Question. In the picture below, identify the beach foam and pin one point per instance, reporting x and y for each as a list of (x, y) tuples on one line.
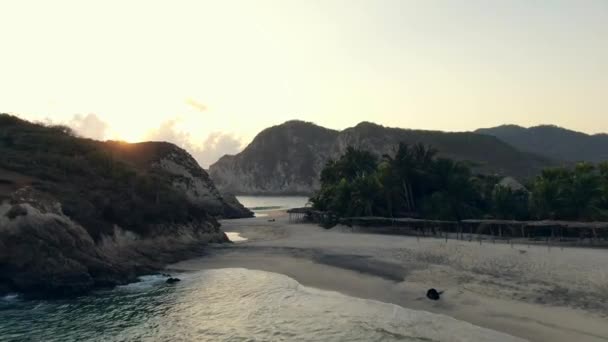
[(235, 237), (11, 297)]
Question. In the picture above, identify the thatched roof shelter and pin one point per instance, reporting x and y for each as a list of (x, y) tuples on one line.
[(511, 183), (567, 224), (501, 229), (492, 221), (302, 210)]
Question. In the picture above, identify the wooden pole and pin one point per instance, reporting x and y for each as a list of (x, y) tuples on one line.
[(594, 233), (470, 232)]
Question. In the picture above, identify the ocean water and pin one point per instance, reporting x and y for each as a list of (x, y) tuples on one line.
[(261, 204), (226, 305)]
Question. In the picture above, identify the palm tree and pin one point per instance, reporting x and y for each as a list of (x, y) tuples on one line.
[(423, 155), (399, 176), (548, 194), (603, 200), (365, 191), (584, 192), (405, 175), (452, 183)]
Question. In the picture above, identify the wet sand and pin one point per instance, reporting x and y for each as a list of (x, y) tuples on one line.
[(532, 292)]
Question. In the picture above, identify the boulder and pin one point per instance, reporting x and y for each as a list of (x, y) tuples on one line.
[(43, 253), (173, 280), (433, 294)]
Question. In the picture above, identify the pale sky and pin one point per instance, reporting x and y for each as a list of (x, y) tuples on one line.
[(209, 75)]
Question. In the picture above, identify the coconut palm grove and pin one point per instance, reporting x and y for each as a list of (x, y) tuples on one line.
[(414, 182)]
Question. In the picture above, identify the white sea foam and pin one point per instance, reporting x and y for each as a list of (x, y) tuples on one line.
[(235, 237), (145, 282), (11, 297)]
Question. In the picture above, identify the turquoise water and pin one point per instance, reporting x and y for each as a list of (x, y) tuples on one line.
[(226, 305)]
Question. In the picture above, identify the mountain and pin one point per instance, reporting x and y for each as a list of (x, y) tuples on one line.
[(553, 141), (78, 213), (288, 158)]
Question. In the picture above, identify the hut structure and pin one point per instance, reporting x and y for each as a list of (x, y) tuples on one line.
[(511, 183), (306, 214)]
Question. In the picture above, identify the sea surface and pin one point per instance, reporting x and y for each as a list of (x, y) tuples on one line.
[(260, 205), (231, 304)]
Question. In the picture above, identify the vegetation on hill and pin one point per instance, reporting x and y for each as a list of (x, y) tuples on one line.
[(96, 188), (288, 158), (413, 181), (553, 141)]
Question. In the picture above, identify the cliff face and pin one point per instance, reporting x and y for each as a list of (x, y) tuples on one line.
[(77, 213), (284, 159), (288, 158), (184, 174), (43, 252)]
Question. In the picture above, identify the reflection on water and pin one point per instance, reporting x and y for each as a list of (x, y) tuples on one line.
[(227, 305)]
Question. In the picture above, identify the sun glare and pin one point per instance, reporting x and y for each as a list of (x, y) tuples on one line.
[(125, 134)]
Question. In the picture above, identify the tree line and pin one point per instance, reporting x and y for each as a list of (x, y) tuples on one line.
[(414, 182)]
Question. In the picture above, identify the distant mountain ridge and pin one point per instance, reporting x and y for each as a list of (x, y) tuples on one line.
[(288, 158), (553, 141)]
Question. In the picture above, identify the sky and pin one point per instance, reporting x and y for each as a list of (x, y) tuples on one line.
[(209, 75)]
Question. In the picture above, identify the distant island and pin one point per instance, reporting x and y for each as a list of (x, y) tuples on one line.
[(76, 213)]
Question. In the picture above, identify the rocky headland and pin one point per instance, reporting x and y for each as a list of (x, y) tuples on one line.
[(77, 214)]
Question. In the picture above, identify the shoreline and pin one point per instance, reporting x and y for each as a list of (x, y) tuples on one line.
[(399, 270)]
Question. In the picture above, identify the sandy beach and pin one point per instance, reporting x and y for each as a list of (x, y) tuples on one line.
[(532, 292)]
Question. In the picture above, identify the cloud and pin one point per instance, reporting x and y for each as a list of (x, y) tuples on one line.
[(168, 132), (196, 105), (215, 145), (90, 126)]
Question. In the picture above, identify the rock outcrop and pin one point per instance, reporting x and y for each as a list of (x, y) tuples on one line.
[(183, 173), (76, 214), (45, 253), (285, 159), (288, 158)]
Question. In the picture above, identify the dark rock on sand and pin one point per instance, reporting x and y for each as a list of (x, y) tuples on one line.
[(433, 294), (173, 280)]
